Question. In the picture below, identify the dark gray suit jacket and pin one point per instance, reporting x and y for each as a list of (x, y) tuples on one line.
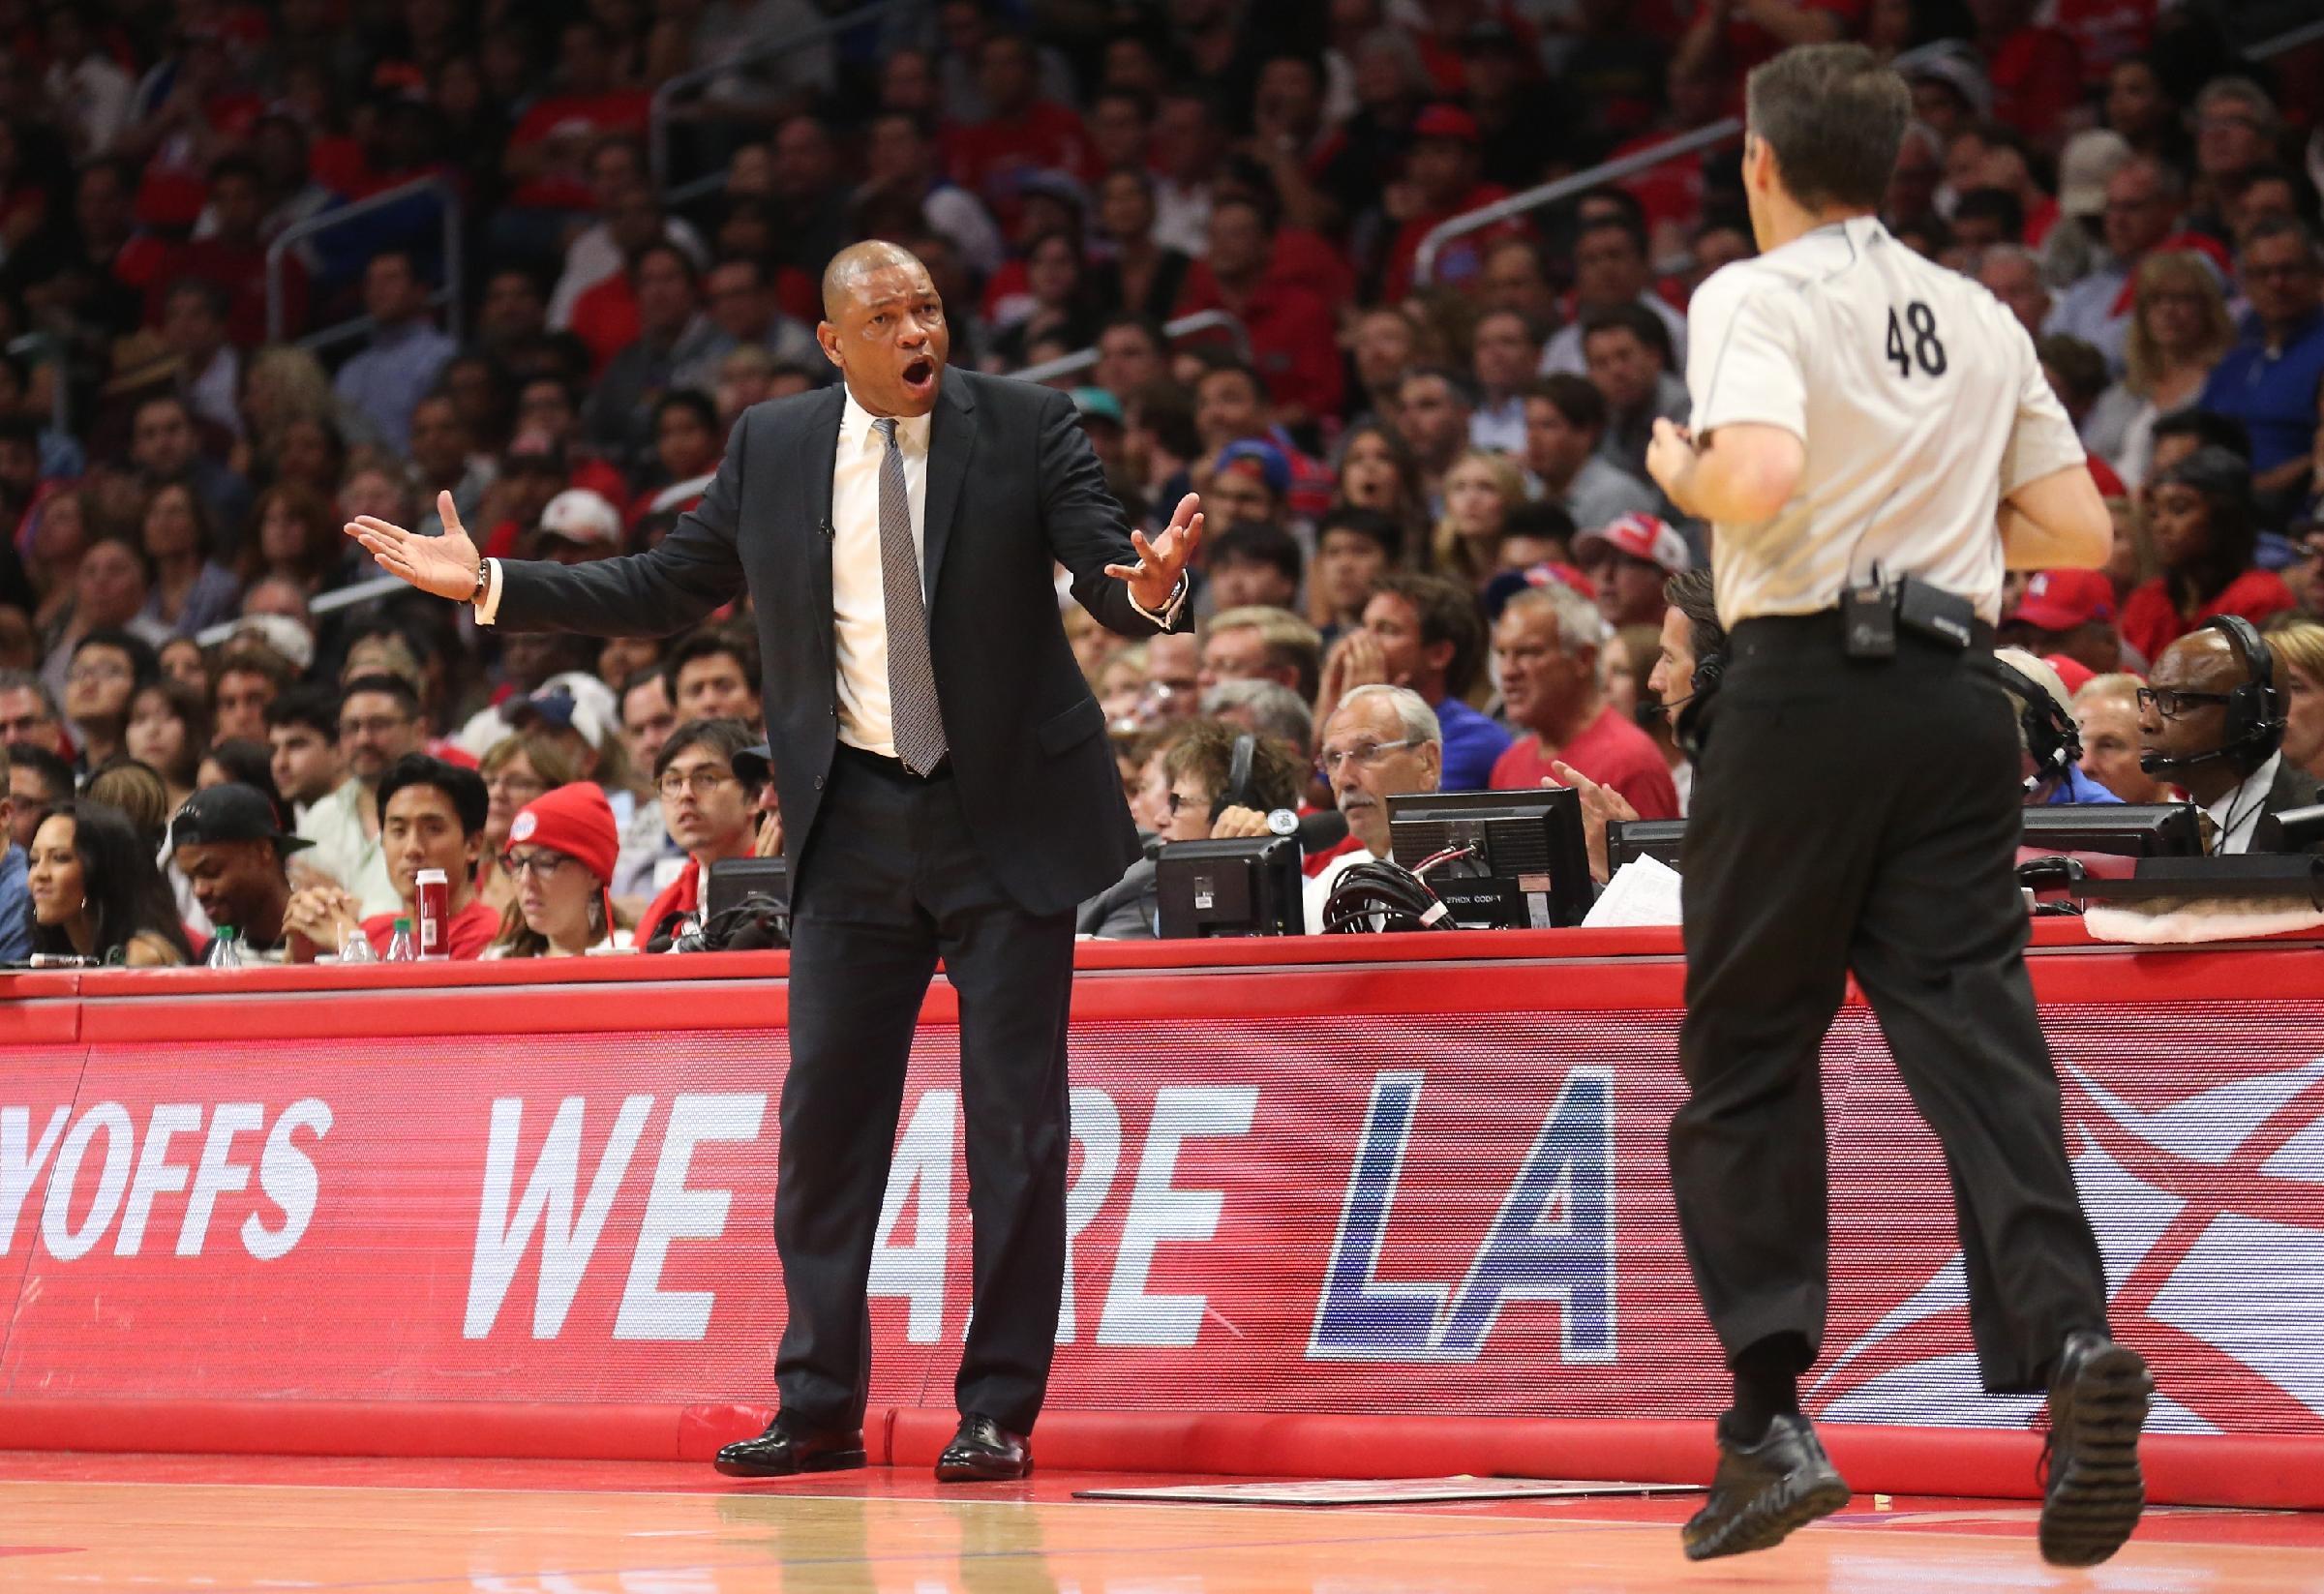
[(1011, 487), (2292, 788)]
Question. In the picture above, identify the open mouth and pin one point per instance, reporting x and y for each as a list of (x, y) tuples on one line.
[(920, 376)]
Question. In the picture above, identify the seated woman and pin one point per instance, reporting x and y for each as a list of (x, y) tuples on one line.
[(562, 848), (2205, 535), (96, 892)]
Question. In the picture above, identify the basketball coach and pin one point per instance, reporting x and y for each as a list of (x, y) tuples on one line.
[(946, 790)]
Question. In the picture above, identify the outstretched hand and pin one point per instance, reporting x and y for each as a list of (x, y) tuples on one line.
[(1160, 561), (445, 565), (1601, 805)]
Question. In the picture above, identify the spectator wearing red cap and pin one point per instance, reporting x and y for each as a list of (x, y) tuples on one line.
[(562, 850), (1628, 561), (1547, 643), (1441, 181), (2069, 613)]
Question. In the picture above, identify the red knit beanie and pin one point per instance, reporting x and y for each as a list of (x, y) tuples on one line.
[(574, 820)]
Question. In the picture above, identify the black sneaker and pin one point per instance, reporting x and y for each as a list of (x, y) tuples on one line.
[(1764, 1492), (2091, 1491)]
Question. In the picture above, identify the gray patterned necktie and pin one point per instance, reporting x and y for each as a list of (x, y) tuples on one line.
[(916, 716)]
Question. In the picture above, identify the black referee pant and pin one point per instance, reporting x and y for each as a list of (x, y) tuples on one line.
[(1864, 816)]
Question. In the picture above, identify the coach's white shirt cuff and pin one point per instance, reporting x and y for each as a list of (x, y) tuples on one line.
[(489, 605), (1162, 622)]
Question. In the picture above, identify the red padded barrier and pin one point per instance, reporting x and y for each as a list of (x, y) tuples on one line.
[(1395, 1198)]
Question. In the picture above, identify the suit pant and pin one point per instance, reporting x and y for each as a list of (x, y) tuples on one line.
[(890, 881), (1864, 816)]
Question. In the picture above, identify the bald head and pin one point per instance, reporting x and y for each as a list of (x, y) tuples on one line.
[(884, 327), (2202, 661), (857, 262)]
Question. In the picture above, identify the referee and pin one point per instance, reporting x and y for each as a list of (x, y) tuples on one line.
[(1874, 443)]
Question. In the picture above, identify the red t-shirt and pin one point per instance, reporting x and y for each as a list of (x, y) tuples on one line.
[(1671, 192), (465, 936), (605, 316), (1294, 339), (2037, 76), (682, 896), (1610, 751), (2105, 30), (2151, 620), (1459, 260), (993, 159), (1748, 44), (590, 115)]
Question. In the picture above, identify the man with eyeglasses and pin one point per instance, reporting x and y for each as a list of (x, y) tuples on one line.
[(1382, 742), (2145, 201), (2240, 781), (107, 668), (378, 723), (709, 809), (2269, 380)]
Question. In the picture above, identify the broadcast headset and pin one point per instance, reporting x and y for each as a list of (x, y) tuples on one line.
[(1239, 792), (1687, 707), (2051, 735), (2254, 708)]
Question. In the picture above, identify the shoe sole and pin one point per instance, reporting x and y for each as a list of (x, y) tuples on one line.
[(1766, 1523), (830, 1460), (973, 1472), (2093, 1506)]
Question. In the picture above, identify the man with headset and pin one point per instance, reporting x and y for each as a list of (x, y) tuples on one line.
[(2211, 720), (1873, 443), (1222, 782), (2046, 731)]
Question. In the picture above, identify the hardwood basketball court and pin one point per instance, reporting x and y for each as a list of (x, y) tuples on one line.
[(84, 1522)]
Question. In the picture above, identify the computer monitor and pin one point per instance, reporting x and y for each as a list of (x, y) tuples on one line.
[(1531, 867), (732, 879), (1628, 840), (2125, 830), (1241, 886)]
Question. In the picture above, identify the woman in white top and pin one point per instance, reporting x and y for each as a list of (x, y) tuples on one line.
[(2179, 330), (562, 848)]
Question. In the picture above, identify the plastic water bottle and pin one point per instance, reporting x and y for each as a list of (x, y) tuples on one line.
[(355, 948), (224, 953), (401, 949)]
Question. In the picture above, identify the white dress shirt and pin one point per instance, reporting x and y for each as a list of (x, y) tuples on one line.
[(2237, 813), (859, 591)]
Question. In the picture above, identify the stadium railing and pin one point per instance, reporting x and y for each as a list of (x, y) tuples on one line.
[(1424, 259), (672, 90), (1186, 326), (1432, 245), (447, 209)]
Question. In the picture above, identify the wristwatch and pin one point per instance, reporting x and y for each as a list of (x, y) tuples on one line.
[(483, 580), (1284, 822)]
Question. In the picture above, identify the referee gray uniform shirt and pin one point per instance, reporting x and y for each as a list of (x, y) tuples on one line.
[(1861, 815), (1920, 401)]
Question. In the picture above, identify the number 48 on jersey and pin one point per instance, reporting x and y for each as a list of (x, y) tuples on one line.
[(1927, 347)]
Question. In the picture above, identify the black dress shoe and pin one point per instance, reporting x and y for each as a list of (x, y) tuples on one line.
[(1764, 1491), (786, 1450), (2092, 1495), (983, 1451)]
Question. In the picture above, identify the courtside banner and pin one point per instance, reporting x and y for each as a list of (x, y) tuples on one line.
[(1458, 1213)]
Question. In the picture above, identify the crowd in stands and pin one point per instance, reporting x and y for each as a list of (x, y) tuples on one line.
[(1434, 556)]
